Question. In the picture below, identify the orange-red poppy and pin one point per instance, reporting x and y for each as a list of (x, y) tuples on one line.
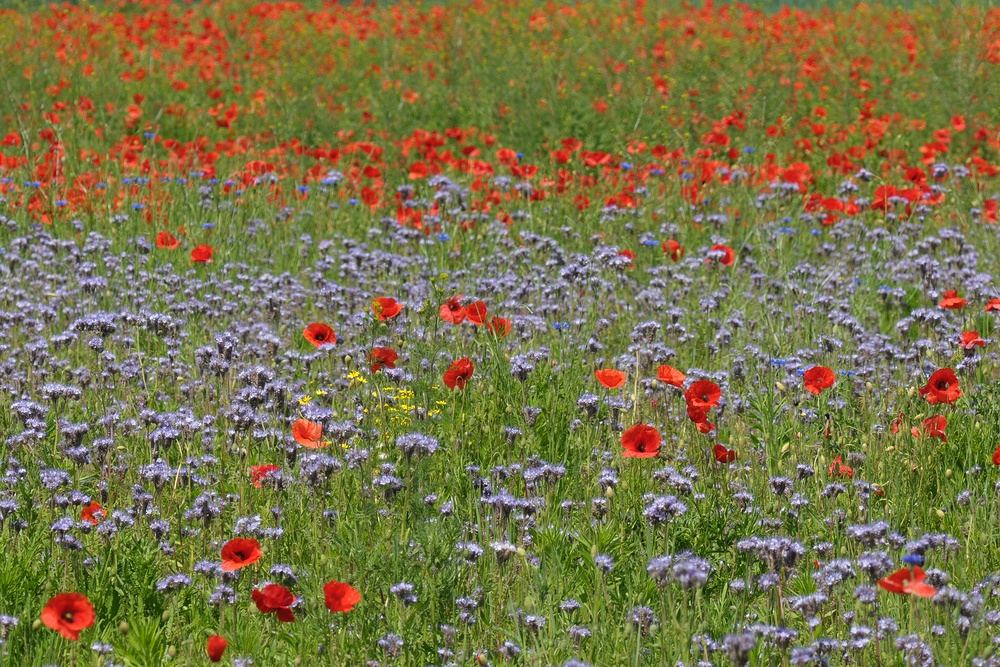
[(308, 434), (610, 378), (499, 326), (277, 599), (452, 310), (818, 378), (723, 454), (216, 648), (728, 255), (340, 597), (458, 373), (952, 301), (699, 416), (93, 513), (202, 253), (641, 442), (897, 423), (320, 334), (476, 313), (674, 249), (167, 241), (703, 394), (992, 306), (971, 339), (838, 469), (69, 614), (996, 456), (386, 308), (259, 473), (942, 387), (240, 552), (382, 357), (908, 581), (670, 375), (933, 428)]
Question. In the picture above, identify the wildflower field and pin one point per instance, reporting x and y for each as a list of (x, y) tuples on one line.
[(499, 333)]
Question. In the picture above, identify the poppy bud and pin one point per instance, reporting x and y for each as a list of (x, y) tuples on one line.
[(36, 624), (165, 616), (172, 651), (521, 552), (911, 391), (890, 448), (298, 658), (594, 551), (785, 447), (780, 387), (919, 417), (940, 513), (609, 492), (948, 473), (123, 627), (979, 426)]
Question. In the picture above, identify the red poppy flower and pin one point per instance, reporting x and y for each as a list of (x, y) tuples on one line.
[(838, 469), (216, 647), (308, 434), (728, 254), (167, 240), (818, 378), (700, 418), (952, 301), (641, 442), (202, 253), (258, 473), (629, 255), (458, 373), (971, 339), (703, 394), (69, 614), (992, 306), (275, 598), (452, 311), (908, 582), (386, 308), (476, 313), (933, 428), (942, 387), (320, 334), (499, 326), (724, 455), (670, 375), (896, 423), (383, 357), (996, 456), (674, 249), (610, 378), (240, 552), (93, 513), (340, 597)]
